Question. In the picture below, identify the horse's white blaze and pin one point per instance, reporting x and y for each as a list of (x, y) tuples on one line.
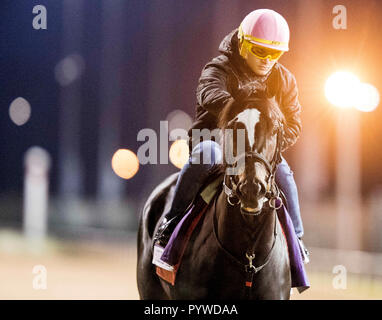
[(249, 117)]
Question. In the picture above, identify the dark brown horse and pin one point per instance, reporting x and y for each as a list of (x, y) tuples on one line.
[(237, 250)]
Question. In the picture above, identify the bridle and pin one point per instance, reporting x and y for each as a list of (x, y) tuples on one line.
[(272, 191), (274, 203)]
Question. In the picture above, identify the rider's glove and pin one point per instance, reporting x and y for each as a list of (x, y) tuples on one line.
[(249, 90)]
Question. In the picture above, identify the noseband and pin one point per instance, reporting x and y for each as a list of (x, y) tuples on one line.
[(272, 191)]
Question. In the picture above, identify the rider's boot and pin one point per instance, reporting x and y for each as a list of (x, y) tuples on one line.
[(186, 189)]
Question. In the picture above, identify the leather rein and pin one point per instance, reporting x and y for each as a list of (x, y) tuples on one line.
[(250, 269)]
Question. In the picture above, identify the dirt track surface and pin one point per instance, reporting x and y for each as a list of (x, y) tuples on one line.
[(99, 271), (76, 271)]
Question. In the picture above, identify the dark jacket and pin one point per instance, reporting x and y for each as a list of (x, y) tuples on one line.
[(222, 78)]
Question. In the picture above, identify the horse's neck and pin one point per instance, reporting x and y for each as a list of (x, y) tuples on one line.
[(241, 234)]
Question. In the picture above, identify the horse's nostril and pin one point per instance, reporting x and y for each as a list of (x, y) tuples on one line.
[(239, 190), (256, 189), (259, 186), (249, 190), (241, 187)]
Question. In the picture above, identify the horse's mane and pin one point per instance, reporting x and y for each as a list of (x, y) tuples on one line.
[(268, 107)]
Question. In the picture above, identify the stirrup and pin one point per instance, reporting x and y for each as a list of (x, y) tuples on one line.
[(304, 252), (160, 235)]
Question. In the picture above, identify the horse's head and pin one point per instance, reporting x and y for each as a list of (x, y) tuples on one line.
[(252, 136)]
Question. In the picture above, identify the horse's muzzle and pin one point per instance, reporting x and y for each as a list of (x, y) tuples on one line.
[(253, 208)]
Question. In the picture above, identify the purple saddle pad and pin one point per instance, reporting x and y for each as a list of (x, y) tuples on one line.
[(297, 267)]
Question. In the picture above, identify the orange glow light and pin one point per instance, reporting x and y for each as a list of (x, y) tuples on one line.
[(179, 153), (369, 98), (125, 163), (342, 89)]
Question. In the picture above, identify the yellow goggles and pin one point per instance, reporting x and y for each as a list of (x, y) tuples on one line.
[(261, 52)]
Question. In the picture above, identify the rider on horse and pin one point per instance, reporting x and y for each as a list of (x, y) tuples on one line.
[(248, 62)]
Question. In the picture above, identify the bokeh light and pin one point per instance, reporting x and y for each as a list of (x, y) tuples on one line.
[(69, 69), (179, 153), (368, 99), (178, 119), (342, 89), (125, 163), (20, 111)]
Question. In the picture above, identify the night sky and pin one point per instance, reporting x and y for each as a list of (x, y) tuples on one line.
[(28, 59)]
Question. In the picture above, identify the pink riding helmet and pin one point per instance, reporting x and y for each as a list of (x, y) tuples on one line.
[(266, 28)]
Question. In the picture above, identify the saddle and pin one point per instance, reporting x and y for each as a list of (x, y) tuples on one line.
[(172, 252)]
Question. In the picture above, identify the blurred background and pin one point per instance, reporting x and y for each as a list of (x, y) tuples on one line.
[(75, 95)]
